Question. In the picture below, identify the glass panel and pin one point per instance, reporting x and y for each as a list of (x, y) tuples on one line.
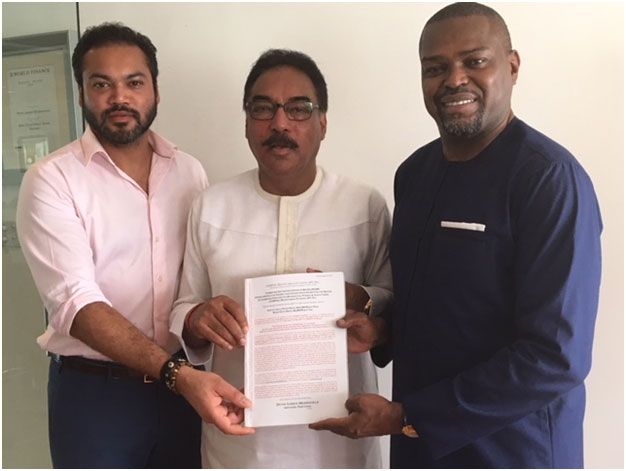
[(40, 113)]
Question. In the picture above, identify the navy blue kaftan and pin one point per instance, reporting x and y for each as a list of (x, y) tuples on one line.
[(493, 322)]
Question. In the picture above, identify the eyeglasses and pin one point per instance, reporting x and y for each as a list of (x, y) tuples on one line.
[(264, 110)]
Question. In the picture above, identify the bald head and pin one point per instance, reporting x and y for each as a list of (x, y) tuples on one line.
[(463, 9)]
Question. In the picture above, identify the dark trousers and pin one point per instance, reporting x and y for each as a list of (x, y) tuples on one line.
[(97, 421)]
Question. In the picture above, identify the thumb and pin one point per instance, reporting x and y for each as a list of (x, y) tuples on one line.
[(353, 404), (313, 270), (232, 394), (346, 323), (351, 318)]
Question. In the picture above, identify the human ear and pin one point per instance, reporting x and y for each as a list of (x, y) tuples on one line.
[(323, 124), (514, 60)]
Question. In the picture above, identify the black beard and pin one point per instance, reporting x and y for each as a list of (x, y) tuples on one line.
[(462, 128), (119, 137)]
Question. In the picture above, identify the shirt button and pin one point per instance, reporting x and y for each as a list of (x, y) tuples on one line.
[(160, 279), (156, 240)]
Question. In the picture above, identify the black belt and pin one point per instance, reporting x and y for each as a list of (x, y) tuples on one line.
[(103, 368)]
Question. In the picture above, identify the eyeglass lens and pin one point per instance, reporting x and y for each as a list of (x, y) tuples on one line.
[(299, 110)]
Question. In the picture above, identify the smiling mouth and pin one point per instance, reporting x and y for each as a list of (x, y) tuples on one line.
[(459, 102)]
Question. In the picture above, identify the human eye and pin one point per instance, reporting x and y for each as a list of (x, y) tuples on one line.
[(432, 70), (476, 62), (261, 107), (299, 109), (136, 83), (100, 84)]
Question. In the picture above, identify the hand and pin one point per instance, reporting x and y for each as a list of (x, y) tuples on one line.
[(356, 296), (370, 415), (219, 320), (364, 332), (216, 401)]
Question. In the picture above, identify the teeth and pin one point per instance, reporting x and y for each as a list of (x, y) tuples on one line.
[(459, 103)]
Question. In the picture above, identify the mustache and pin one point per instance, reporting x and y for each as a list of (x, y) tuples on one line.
[(280, 140), (453, 91), (126, 109)]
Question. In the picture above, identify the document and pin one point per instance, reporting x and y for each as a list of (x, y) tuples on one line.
[(296, 358), (34, 111)]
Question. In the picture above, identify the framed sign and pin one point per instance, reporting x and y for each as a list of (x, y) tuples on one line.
[(40, 107)]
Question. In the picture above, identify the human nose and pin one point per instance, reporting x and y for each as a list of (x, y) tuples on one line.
[(456, 77), (280, 120), (119, 93)]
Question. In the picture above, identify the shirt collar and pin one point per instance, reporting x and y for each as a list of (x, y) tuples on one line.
[(319, 176), (91, 145)]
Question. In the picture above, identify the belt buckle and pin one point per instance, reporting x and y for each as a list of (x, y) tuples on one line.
[(147, 379)]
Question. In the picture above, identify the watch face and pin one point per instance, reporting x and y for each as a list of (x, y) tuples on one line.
[(409, 431)]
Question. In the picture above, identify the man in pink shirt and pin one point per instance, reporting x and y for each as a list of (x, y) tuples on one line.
[(102, 225)]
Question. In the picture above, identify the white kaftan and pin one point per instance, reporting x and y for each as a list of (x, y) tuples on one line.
[(237, 230)]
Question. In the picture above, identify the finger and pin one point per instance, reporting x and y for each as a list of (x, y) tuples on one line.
[(234, 412), (354, 346), (229, 327), (208, 333), (237, 312), (351, 321), (342, 323), (353, 404), (206, 323), (236, 416), (313, 270), (336, 425), (230, 393), (229, 428)]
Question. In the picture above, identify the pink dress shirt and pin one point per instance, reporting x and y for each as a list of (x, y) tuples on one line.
[(89, 233)]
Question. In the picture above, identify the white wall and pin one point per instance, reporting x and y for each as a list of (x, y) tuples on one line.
[(570, 87), (21, 18)]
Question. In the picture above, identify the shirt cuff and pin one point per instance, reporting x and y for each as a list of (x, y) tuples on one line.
[(380, 298), (61, 320), (196, 356)]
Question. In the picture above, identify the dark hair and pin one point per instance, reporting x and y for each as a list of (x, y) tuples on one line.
[(112, 33), (461, 9), (273, 58)]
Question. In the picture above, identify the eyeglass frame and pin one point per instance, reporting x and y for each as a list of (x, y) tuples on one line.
[(281, 105)]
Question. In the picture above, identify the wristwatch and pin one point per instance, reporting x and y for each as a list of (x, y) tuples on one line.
[(408, 430)]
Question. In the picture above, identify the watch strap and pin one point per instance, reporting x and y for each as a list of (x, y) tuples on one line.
[(170, 370)]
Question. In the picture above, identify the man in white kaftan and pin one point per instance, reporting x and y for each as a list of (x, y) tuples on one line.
[(271, 220), (237, 231)]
